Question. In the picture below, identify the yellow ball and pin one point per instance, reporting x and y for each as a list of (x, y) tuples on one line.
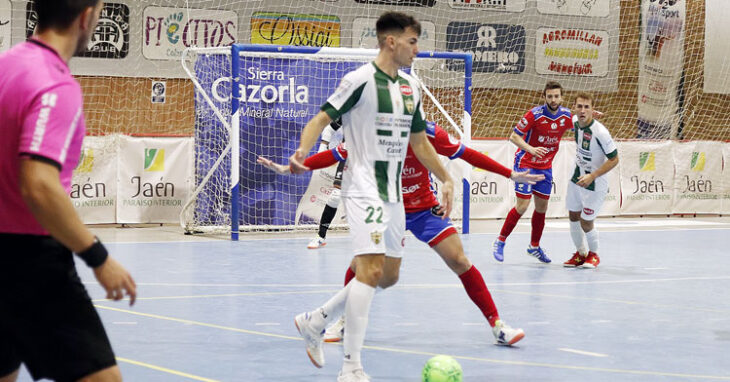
[(441, 368)]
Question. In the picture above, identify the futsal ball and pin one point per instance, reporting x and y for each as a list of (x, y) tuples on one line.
[(441, 368)]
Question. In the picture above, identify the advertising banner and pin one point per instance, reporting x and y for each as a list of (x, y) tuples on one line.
[(572, 52), (295, 29), (725, 184), (278, 97), (110, 39), (698, 177), (316, 196), (491, 194), (363, 34), (647, 177), (661, 62), (5, 25), (94, 184), (497, 48), (717, 71), (413, 3), (612, 203), (167, 31), (154, 179), (489, 5), (589, 8), (563, 166)]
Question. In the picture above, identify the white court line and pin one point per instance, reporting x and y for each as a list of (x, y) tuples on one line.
[(267, 324), (601, 321), (124, 323), (406, 324), (433, 286), (473, 324), (655, 269), (582, 352), (538, 323)]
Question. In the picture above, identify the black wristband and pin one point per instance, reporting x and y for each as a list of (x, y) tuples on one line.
[(95, 255)]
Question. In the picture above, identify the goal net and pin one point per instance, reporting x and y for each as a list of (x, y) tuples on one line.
[(279, 90)]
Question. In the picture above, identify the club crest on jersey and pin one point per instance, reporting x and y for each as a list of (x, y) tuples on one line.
[(554, 126), (406, 90), (376, 237), (410, 106)]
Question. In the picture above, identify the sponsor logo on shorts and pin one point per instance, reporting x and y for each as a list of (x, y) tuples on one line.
[(376, 237), (403, 242), (588, 211)]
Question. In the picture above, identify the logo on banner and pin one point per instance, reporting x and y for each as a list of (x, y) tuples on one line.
[(497, 48), (154, 159), (295, 29), (110, 38), (167, 31), (489, 5), (573, 52), (647, 161), (413, 3), (86, 161), (698, 161)]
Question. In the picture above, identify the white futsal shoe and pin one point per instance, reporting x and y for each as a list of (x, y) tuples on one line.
[(312, 338), (356, 375), (506, 335), (336, 332), (317, 242)]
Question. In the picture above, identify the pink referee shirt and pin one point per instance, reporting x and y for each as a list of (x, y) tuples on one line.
[(41, 116)]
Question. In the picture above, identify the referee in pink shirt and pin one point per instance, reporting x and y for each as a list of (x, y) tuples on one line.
[(47, 320)]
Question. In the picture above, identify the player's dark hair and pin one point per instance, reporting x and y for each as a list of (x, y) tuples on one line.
[(585, 96), (395, 22), (552, 85), (59, 13)]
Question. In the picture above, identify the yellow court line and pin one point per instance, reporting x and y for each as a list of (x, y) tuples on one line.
[(191, 322), (225, 295), (166, 370), (417, 352)]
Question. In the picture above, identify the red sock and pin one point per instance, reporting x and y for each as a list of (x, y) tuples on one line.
[(509, 224), (349, 275), (538, 224), (478, 292)]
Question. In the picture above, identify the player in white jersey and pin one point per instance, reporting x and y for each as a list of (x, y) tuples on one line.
[(595, 155), (381, 113)]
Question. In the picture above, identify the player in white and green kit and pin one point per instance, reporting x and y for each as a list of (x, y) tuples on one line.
[(595, 155), (381, 113)]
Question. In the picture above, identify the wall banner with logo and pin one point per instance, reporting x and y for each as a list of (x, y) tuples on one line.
[(717, 72), (491, 5), (167, 31), (273, 28), (647, 177), (587, 8), (94, 184), (572, 52), (278, 97), (497, 48), (725, 184), (661, 62), (491, 194), (698, 177), (154, 179), (563, 167), (5, 24)]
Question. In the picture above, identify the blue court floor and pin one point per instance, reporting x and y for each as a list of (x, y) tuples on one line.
[(657, 308)]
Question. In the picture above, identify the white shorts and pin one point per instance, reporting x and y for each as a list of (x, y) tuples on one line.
[(375, 226), (588, 202)]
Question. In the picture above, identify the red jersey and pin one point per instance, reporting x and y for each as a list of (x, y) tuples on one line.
[(541, 128)]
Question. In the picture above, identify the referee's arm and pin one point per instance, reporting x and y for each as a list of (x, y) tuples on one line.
[(47, 200)]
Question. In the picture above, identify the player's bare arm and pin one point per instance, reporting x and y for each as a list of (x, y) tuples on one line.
[(275, 167), (518, 141), (311, 132), (587, 179), (47, 200), (426, 154)]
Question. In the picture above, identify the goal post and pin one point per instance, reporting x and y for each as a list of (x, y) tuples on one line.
[(254, 100)]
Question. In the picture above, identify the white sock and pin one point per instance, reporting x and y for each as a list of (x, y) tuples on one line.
[(576, 233), (332, 309), (357, 309), (592, 238)]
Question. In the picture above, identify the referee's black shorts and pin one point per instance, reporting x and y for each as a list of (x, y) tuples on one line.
[(47, 320)]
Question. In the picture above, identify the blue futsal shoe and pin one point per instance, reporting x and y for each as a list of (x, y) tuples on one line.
[(498, 250), (538, 253)]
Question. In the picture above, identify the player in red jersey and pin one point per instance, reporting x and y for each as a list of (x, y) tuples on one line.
[(426, 223), (537, 137)]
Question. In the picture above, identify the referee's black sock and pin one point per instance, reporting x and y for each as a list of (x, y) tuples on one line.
[(328, 214)]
